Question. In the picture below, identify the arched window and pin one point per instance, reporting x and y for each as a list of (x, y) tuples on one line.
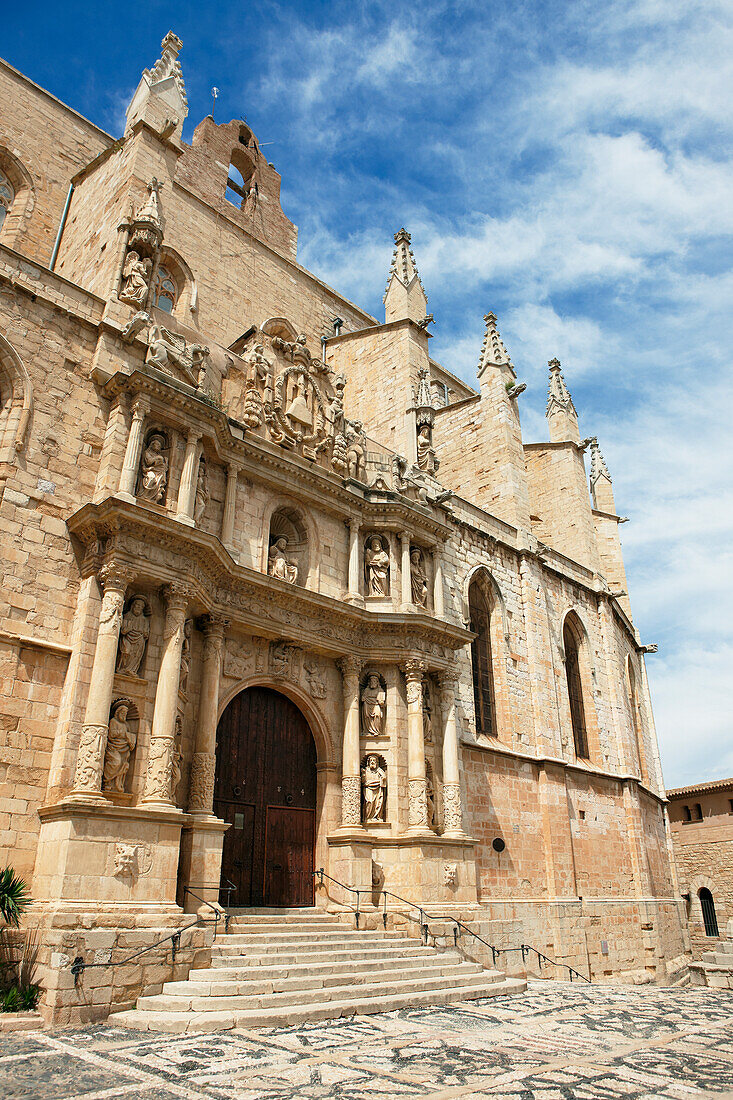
[(166, 291), (7, 194), (708, 912), (483, 677), (636, 721), (571, 644)]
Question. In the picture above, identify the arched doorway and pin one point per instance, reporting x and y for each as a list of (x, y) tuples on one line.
[(266, 787), (708, 912)]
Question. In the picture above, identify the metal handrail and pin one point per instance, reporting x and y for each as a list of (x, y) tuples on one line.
[(78, 966), (457, 924)]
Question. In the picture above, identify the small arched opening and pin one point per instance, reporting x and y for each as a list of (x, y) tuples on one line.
[(240, 177), (707, 905)]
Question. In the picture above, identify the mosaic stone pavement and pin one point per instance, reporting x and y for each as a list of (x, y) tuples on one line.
[(556, 1041)]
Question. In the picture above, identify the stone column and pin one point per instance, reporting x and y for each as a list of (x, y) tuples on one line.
[(350, 668), (189, 474), (418, 811), (114, 579), (452, 808), (406, 585), (128, 477), (203, 765), (354, 526), (230, 505), (438, 604), (163, 732)]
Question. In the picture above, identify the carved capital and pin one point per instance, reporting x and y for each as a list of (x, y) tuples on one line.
[(115, 576), (414, 669), (212, 626), (176, 597), (448, 682), (349, 665), (193, 436), (140, 407)]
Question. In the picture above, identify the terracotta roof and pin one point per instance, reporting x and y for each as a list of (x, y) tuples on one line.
[(700, 788)]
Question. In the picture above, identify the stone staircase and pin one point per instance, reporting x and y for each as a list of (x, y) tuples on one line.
[(277, 967), (716, 968)]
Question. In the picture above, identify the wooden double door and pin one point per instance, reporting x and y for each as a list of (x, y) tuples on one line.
[(266, 788)]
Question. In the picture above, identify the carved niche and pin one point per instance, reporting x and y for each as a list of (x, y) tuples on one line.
[(376, 566), (134, 633), (373, 705), (418, 577), (373, 788), (288, 552), (143, 249), (153, 476), (121, 742)]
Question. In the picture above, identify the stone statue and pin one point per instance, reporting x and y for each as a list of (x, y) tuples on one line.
[(377, 568), (373, 707), (135, 280), (418, 578), (185, 655), (425, 453), (121, 741), (176, 761), (374, 789), (427, 712), (202, 493), (153, 471), (280, 565), (356, 450), (134, 633), (169, 348), (430, 797)]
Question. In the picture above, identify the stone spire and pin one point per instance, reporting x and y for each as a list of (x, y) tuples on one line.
[(493, 351), (150, 210), (404, 295), (160, 98), (600, 480), (421, 396), (560, 412)]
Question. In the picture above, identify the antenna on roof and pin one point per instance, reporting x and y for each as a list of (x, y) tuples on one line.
[(214, 95)]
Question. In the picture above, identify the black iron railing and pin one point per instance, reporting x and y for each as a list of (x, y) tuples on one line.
[(458, 925), (78, 966)]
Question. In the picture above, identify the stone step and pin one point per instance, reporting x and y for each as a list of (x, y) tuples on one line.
[(288, 957), (268, 927), (287, 1015), (299, 936), (267, 968), (284, 981)]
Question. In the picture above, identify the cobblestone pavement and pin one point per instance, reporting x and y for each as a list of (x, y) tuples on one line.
[(556, 1041)]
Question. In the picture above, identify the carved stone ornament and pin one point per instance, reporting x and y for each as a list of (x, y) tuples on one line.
[(374, 788), (377, 874), (185, 656), (202, 493), (452, 814), (201, 783), (450, 874), (373, 706), (135, 279), (285, 660), (154, 470), (418, 578), (430, 797), (427, 712), (351, 800), (134, 633), (89, 758), (131, 860), (356, 450), (376, 567), (314, 676), (279, 564), (176, 761), (418, 802), (121, 741), (169, 349), (135, 325)]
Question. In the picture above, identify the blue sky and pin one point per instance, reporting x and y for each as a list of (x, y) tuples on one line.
[(564, 164)]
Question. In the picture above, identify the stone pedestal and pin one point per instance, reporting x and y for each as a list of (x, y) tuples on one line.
[(202, 840)]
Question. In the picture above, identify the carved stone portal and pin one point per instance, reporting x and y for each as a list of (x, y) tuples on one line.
[(373, 788)]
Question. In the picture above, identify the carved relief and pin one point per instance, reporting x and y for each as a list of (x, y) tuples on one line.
[(135, 279), (131, 860), (418, 802), (202, 493), (452, 815), (427, 711), (185, 656), (285, 660), (201, 783), (418, 578), (176, 760), (450, 874), (279, 564), (154, 469), (374, 788), (236, 661), (373, 706), (134, 633), (351, 800), (376, 566), (121, 741), (88, 758), (430, 797), (314, 676), (169, 349)]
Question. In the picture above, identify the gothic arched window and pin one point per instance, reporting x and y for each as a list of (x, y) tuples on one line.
[(708, 912), (571, 644), (636, 722), (7, 194), (483, 676), (166, 291)]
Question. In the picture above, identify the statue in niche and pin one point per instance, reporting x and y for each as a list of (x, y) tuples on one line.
[(427, 711), (418, 578), (373, 707), (374, 789), (280, 565), (135, 280), (425, 454), (377, 568), (121, 742), (185, 655), (202, 493), (134, 633), (356, 450), (153, 471)]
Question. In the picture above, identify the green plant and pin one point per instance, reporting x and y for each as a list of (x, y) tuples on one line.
[(14, 897), (11, 949), (11, 1001), (29, 997)]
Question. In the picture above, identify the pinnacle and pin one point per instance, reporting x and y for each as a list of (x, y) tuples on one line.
[(598, 467), (168, 65), (422, 398), (493, 350), (150, 212), (403, 266), (558, 394)]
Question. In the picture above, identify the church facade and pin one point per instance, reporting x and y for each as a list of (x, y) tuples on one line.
[(280, 591)]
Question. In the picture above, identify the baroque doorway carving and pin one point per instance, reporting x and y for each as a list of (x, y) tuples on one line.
[(266, 788)]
